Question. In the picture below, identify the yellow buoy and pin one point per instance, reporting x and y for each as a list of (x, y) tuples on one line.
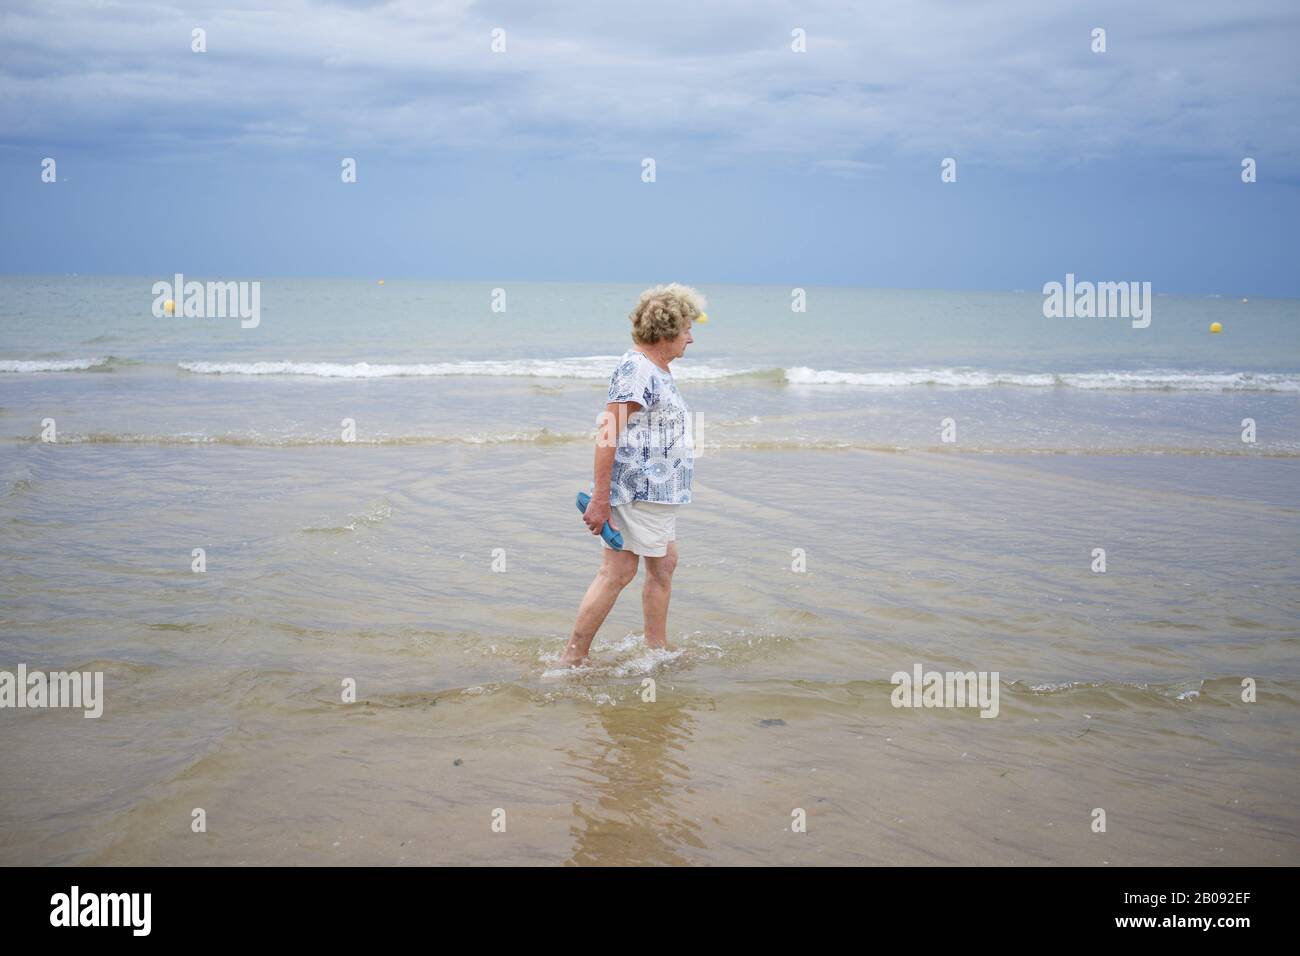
[(381, 281), (703, 317), (1216, 328), (169, 307)]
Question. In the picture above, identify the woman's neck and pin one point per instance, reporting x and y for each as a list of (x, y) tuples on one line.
[(656, 358)]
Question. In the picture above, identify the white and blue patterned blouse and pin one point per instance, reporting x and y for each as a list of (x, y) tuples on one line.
[(655, 455)]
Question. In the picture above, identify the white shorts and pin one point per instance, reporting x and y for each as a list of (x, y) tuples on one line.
[(647, 527)]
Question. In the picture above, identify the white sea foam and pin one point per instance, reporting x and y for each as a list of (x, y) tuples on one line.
[(959, 378), (595, 367), (51, 365), (1186, 381), (650, 660), (598, 367), (1144, 380)]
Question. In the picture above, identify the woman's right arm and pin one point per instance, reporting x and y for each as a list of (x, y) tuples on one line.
[(612, 422)]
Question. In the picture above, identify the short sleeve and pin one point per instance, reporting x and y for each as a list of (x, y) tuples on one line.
[(634, 381)]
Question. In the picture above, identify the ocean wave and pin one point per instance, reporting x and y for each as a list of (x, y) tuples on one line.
[(597, 368), (594, 367), (1144, 380), (542, 436), (53, 365), (1182, 690), (1185, 381), (379, 512)]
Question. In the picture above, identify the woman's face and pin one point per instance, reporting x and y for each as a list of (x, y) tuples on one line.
[(677, 346)]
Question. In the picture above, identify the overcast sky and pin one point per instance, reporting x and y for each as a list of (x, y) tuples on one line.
[(772, 166)]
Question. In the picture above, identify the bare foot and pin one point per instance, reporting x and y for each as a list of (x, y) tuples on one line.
[(574, 655)]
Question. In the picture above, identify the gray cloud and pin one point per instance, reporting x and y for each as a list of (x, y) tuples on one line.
[(1011, 82)]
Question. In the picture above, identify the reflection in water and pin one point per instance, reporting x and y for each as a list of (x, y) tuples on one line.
[(633, 765)]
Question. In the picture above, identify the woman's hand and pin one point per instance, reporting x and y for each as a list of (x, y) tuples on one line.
[(597, 514), (609, 426)]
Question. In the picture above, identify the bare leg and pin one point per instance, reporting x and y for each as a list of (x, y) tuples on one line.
[(655, 595), (617, 570)]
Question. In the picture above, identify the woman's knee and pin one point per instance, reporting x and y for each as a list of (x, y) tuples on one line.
[(661, 569), (620, 570)]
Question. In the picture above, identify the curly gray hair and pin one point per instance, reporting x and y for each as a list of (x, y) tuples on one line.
[(665, 312)]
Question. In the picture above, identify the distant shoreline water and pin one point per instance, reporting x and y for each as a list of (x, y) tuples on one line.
[(597, 367), (433, 363)]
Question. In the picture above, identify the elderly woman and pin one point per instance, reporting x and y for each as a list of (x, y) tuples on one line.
[(643, 467)]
